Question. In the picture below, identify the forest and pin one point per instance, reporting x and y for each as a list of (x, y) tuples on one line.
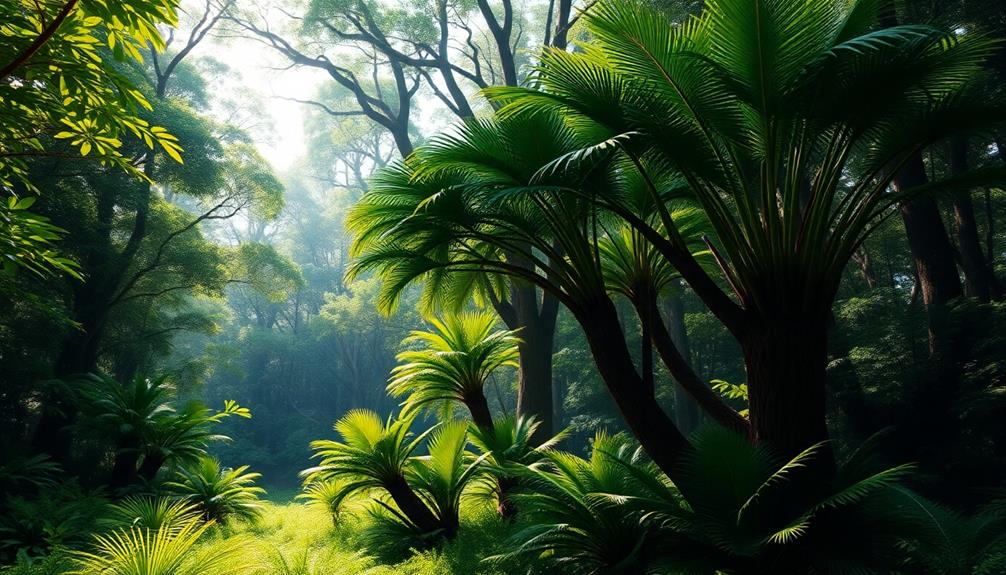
[(502, 287)]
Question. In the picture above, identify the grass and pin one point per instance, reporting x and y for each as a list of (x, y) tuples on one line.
[(296, 539)]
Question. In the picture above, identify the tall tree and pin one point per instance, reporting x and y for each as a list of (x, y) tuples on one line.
[(776, 101)]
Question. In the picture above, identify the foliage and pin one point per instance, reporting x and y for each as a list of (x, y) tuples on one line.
[(576, 512), (455, 362), (33, 471), (737, 508), (61, 515), (443, 476), (164, 551), (152, 513), (219, 493), (420, 495), (142, 419), (59, 82), (325, 494), (26, 240)]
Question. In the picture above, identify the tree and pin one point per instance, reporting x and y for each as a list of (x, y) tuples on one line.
[(455, 364), (64, 90), (760, 131), (464, 46)]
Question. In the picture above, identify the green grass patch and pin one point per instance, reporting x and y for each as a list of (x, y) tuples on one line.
[(297, 539)]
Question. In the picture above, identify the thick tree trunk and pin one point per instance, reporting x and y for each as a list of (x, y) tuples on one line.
[(785, 355), (414, 509), (935, 264), (150, 466), (478, 407), (655, 431)]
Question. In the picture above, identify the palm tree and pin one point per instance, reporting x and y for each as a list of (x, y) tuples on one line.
[(509, 447), (128, 412), (324, 494), (785, 121), (152, 513), (374, 455), (183, 436), (219, 493), (738, 509), (147, 427), (169, 550), (442, 477), (454, 364), (465, 199), (377, 457)]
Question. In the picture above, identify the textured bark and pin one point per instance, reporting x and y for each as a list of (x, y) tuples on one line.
[(932, 251), (978, 277)]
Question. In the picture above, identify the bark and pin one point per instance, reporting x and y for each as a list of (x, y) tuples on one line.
[(478, 407), (978, 278), (124, 470), (785, 355), (932, 251), (656, 432), (535, 318), (150, 466), (413, 507), (697, 390)]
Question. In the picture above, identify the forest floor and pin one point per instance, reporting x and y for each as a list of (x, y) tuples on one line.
[(297, 539)]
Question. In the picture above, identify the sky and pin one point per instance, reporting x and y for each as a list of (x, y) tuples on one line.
[(258, 79)]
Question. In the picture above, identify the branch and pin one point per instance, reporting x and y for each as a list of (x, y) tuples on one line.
[(327, 110), (38, 42)]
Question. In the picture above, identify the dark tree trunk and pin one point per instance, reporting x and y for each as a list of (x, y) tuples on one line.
[(655, 431), (478, 407), (414, 509), (785, 355), (150, 466), (978, 278), (686, 410), (124, 470), (935, 264), (536, 321)]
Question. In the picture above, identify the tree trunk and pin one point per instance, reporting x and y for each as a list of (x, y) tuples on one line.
[(124, 470), (478, 407), (686, 410), (978, 280), (536, 321), (939, 281), (655, 431), (413, 507), (785, 355), (150, 466)]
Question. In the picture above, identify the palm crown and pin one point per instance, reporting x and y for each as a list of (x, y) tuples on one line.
[(454, 364)]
